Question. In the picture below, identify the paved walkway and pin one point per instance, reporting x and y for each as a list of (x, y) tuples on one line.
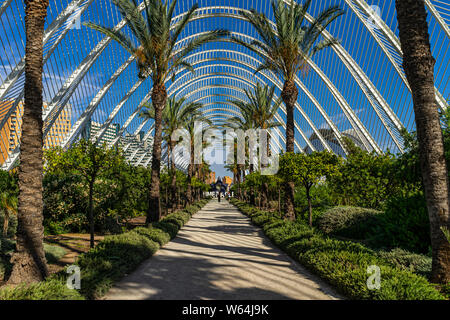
[(220, 255)]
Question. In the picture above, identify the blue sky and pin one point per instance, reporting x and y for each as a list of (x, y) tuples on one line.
[(355, 39)]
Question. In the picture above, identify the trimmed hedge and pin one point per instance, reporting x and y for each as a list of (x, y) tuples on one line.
[(350, 222), (109, 261), (51, 289), (406, 260), (341, 263)]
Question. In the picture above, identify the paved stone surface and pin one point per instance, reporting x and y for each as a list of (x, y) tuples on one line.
[(220, 255)]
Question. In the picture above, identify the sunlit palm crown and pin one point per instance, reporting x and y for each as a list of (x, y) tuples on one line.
[(346, 64)]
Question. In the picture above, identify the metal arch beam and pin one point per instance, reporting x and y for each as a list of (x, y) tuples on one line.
[(204, 16), (282, 108), (438, 17), (77, 76), (121, 104), (4, 6), (79, 124), (371, 88), (228, 116), (224, 116), (75, 79), (345, 107), (117, 108), (205, 9), (358, 74), (354, 120), (235, 113), (127, 123), (310, 96), (213, 14), (20, 67), (69, 11), (277, 117), (239, 89), (232, 77), (131, 117), (393, 40)]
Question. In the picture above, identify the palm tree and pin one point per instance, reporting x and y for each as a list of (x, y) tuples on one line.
[(285, 51), (159, 56), (245, 122), (175, 116), (261, 108), (191, 128), (8, 204), (235, 167), (29, 260), (418, 64)]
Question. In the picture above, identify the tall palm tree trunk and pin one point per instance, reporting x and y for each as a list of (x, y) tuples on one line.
[(238, 178), (252, 189), (265, 185), (91, 212), (289, 96), (29, 260), (418, 64), (173, 184), (159, 98), (190, 173)]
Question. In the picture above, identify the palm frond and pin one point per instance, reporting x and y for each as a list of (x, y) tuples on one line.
[(131, 13), (117, 36)]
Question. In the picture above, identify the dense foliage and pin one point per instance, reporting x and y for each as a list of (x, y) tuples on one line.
[(109, 261), (342, 263), (119, 190), (353, 188)]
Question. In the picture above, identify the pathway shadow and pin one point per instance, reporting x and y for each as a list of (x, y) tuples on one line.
[(220, 257), (183, 278)]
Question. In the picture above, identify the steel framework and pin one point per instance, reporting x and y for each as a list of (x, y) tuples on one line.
[(358, 88)]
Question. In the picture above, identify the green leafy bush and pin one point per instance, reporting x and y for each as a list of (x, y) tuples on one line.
[(54, 253), (109, 261), (12, 225), (52, 289), (404, 224), (350, 222), (405, 260), (344, 263), (168, 227), (154, 234), (6, 249)]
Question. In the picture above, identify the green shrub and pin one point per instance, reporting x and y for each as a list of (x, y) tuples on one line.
[(6, 248), (344, 264), (154, 234), (12, 225), (261, 218), (55, 227), (350, 222), (54, 253), (111, 259), (445, 289), (51, 289), (170, 228), (406, 260), (101, 266), (404, 224)]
